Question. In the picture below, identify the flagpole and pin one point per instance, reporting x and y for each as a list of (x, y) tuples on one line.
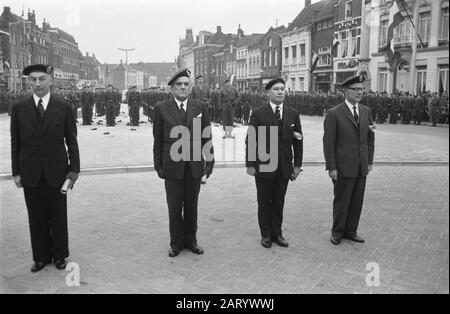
[(412, 23)]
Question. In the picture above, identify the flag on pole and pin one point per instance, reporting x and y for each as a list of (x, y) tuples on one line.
[(336, 43), (395, 19), (315, 60)]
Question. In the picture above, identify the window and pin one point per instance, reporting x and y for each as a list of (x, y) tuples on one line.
[(348, 10), (302, 83), (403, 34), (302, 53), (270, 58), (444, 23), (344, 44), (275, 59), (294, 54), (356, 42), (264, 59), (382, 80), (270, 42), (324, 56), (421, 79), (293, 83), (383, 33), (443, 79), (286, 54), (319, 26), (424, 26)]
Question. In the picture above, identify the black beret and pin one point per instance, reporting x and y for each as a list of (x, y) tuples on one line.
[(198, 76), (353, 80), (44, 68), (184, 72), (273, 82)]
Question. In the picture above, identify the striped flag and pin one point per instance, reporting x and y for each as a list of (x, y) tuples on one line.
[(336, 43), (395, 19), (315, 60)]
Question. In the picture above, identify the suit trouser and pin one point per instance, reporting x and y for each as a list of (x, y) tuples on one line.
[(86, 111), (182, 200), (270, 195), (47, 215), (347, 205)]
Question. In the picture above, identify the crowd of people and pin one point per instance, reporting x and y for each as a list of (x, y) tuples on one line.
[(398, 107)]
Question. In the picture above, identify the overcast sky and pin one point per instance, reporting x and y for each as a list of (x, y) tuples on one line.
[(153, 27)]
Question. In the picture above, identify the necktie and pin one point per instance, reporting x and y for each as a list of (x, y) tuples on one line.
[(182, 112), (355, 113), (41, 109), (278, 113)]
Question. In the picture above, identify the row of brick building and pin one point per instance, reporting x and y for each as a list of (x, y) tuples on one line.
[(24, 42), (344, 36)]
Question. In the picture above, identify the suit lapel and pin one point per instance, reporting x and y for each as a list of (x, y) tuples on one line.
[(271, 114), (51, 114), (31, 112), (348, 114), (191, 110), (172, 107)]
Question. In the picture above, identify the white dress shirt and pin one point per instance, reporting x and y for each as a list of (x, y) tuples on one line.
[(45, 100), (274, 108), (181, 102), (350, 106)]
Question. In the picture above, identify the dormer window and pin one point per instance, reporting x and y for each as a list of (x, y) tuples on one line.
[(348, 10)]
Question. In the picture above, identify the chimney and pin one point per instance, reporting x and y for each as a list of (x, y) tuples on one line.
[(189, 35), (87, 54), (219, 29), (307, 3), (31, 17)]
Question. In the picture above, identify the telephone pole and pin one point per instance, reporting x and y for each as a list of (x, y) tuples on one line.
[(126, 53)]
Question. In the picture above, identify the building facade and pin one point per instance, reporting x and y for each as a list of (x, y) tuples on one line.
[(271, 55), (424, 62)]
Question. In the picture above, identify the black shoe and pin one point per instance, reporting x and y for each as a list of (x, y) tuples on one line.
[(281, 241), (37, 266), (355, 239), (266, 242), (173, 252), (197, 250), (335, 241), (60, 264)]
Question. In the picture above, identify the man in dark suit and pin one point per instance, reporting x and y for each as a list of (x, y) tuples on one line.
[(272, 175), (183, 175), (44, 151), (348, 146)]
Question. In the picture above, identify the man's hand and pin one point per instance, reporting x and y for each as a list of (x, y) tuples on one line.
[(17, 181), (73, 176), (333, 175), (295, 173), (370, 168), (251, 171)]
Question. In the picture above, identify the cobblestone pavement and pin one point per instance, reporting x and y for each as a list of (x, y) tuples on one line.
[(118, 229), (123, 147)]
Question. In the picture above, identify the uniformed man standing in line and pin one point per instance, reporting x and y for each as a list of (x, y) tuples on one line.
[(434, 109), (228, 98), (134, 101), (110, 100), (200, 91), (87, 99)]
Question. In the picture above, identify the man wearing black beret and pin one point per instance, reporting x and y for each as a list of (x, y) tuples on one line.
[(184, 176), (44, 153), (348, 146), (271, 184)]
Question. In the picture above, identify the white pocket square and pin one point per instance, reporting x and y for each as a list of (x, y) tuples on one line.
[(199, 116)]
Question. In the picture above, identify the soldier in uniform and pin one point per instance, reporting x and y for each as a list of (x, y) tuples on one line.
[(87, 101), (74, 99), (110, 98), (246, 107), (200, 91), (434, 109), (99, 109), (228, 97), (134, 100)]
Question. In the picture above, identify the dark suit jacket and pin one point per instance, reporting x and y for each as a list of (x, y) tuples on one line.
[(41, 149), (167, 117), (347, 146), (289, 148)]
